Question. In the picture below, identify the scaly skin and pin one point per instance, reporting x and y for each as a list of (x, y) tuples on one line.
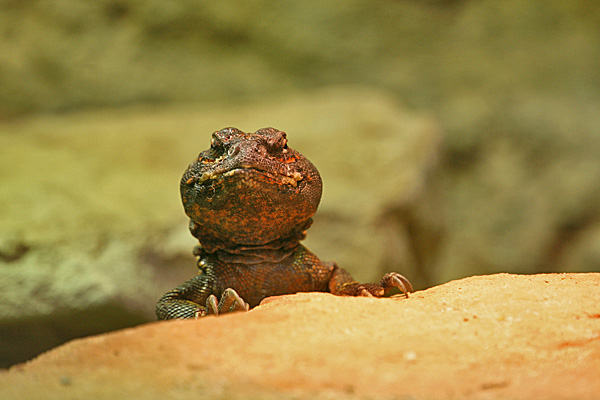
[(250, 199)]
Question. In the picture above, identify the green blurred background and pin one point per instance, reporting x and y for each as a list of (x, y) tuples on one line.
[(454, 138)]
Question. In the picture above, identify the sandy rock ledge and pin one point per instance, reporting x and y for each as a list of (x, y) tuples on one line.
[(498, 336)]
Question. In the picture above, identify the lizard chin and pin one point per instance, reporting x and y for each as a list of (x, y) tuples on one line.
[(240, 199), (281, 181)]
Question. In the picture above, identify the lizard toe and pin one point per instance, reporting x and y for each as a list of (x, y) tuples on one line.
[(394, 279), (231, 301), (212, 305)]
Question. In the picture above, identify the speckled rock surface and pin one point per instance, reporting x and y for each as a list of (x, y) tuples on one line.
[(484, 337)]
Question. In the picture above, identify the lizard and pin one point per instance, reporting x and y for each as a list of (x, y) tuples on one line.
[(250, 199)]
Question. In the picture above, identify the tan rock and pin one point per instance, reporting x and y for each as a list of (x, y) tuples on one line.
[(499, 336)]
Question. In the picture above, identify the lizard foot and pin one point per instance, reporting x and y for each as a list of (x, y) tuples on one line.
[(230, 302), (389, 281)]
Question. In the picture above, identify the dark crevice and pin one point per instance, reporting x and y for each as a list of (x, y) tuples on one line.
[(565, 236), (15, 253), (24, 339), (423, 240)]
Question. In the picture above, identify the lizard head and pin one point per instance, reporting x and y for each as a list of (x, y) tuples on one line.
[(249, 189)]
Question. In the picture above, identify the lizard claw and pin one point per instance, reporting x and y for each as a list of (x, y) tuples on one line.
[(212, 305), (394, 279), (230, 302), (389, 281)]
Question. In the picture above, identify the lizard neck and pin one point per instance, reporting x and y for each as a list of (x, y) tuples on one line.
[(247, 256), (231, 252)]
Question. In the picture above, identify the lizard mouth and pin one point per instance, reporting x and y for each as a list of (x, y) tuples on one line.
[(291, 179)]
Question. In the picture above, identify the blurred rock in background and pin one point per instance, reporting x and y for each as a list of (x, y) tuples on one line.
[(454, 138)]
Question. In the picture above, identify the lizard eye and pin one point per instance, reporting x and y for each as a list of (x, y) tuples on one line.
[(217, 142), (222, 137), (278, 141)]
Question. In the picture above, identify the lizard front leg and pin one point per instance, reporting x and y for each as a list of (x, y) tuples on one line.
[(195, 298), (342, 284), (186, 300)]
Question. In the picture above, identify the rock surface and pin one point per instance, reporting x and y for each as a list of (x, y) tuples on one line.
[(499, 336), (469, 60)]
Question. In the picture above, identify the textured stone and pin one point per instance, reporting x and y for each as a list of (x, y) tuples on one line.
[(498, 336)]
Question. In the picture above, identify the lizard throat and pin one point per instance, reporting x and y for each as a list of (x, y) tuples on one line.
[(227, 251), (255, 256)]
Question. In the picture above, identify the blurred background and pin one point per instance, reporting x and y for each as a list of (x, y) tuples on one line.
[(454, 138)]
